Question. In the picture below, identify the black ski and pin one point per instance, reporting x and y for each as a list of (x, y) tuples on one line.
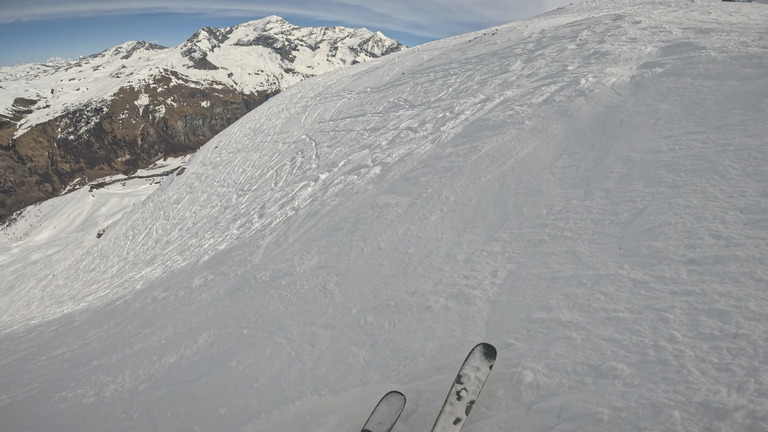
[(466, 388)]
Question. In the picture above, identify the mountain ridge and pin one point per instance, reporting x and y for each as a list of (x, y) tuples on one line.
[(144, 101)]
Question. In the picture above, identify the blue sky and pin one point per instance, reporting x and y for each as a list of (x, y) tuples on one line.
[(36, 30)]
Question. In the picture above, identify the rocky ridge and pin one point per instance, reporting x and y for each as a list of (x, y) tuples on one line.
[(120, 110)]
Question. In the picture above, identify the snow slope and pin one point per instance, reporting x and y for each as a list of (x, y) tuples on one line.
[(79, 217), (586, 190)]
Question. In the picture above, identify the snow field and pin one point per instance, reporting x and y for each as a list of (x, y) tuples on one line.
[(586, 190)]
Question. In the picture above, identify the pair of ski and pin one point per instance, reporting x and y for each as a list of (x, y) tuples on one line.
[(459, 402)]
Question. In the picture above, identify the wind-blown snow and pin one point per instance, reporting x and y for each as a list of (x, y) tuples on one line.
[(586, 190)]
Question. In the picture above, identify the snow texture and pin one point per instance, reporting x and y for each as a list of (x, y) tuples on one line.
[(586, 190)]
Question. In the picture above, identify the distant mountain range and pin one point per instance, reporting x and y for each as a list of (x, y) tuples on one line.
[(66, 121)]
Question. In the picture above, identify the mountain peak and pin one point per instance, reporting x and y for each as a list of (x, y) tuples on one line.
[(127, 49), (266, 20), (272, 23), (289, 42)]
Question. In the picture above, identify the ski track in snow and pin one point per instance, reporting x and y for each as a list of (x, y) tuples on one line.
[(586, 190)]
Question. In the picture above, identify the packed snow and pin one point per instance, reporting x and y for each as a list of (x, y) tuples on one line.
[(586, 190)]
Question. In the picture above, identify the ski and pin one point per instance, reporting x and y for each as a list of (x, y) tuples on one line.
[(386, 413), (466, 388)]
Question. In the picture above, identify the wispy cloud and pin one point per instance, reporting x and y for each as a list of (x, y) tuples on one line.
[(427, 18)]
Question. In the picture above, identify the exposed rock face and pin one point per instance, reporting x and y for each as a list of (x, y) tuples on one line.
[(95, 140), (124, 108)]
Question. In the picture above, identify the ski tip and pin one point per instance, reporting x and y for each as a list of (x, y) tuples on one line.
[(386, 413), (394, 394), (488, 350)]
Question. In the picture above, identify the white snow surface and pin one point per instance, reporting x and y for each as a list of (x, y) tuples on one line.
[(586, 190)]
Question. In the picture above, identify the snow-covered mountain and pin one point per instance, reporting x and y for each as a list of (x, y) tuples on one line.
[(586, 190), (130, 105)]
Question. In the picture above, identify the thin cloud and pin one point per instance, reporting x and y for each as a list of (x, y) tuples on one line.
[(426, 18)]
